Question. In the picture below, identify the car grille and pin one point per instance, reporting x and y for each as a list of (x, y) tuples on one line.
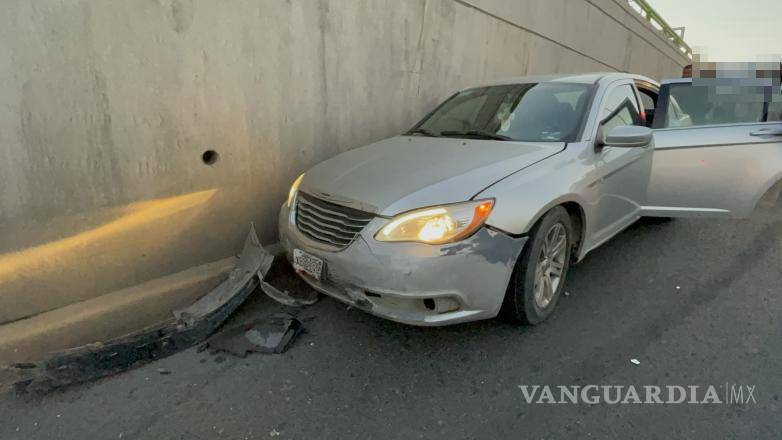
[(328, 223)]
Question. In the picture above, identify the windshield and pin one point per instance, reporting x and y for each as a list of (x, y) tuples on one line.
[(542, 112)]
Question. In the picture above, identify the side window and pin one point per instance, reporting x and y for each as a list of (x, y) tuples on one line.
[(694, 105), (675, 116), (648, 104), (775, 109), (647, 101), (620, 107)]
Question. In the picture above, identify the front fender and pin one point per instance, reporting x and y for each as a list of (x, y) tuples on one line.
[(523, 198), (519, 222)]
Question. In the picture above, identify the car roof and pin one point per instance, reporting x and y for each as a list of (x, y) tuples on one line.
[(676, 81), (582, 78)]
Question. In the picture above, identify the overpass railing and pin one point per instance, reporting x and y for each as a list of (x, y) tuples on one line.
[(646, 11)]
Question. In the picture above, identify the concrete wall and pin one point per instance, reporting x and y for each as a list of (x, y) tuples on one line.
[(107, 106)]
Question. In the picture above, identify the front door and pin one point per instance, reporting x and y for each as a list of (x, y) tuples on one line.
[(715, 155), (623, 173)]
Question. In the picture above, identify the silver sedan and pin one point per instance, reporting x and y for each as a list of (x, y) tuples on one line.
[(482, 207)]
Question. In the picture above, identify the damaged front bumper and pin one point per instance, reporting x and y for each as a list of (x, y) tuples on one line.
[(413, 283)]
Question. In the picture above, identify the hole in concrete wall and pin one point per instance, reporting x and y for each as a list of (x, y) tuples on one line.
[(210, 157)]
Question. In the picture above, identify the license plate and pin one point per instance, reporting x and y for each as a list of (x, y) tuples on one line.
[(309, 264)]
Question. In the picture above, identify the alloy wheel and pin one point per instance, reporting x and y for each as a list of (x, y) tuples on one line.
[(550, 267)]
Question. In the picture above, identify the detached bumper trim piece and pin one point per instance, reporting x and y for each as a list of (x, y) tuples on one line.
[(189, 327)]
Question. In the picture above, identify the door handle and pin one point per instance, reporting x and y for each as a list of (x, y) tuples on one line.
[(775, 131)]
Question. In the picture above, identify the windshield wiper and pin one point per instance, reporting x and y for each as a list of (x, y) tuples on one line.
[(422, 131), (478, 134)]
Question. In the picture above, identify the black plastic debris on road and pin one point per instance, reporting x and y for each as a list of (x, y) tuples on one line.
[(189, 327), (271, 335)]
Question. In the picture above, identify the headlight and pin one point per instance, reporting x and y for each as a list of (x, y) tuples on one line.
[(438, 224), (294, 189)]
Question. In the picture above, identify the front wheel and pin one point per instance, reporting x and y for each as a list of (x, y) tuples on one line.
[(539, 276)]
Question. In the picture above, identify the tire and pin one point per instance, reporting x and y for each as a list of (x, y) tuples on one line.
[(525, 302)]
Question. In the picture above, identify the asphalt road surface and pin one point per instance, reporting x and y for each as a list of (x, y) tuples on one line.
[(696, 302)]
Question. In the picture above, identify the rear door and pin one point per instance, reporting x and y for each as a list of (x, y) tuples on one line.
[(717, 152)]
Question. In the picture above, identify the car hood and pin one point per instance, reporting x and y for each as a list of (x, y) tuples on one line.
[(408, 172)]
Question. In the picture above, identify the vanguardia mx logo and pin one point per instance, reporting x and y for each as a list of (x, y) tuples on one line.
[(727, 394)]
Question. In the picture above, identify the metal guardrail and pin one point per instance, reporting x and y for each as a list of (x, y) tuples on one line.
[(646, 11)]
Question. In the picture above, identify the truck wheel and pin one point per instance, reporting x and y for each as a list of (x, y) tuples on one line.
[(539, 276)]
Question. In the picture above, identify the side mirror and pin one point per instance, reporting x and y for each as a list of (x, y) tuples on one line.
[(628, 136)]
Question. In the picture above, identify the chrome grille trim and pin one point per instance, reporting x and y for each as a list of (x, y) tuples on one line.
[(330, 222), (327, 222), (333, 210), (336, 233)]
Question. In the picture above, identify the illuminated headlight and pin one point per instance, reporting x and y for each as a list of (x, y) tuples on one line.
[(294, 189), (437, 224)]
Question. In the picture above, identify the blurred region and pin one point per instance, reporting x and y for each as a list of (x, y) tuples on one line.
[(730, 92)]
